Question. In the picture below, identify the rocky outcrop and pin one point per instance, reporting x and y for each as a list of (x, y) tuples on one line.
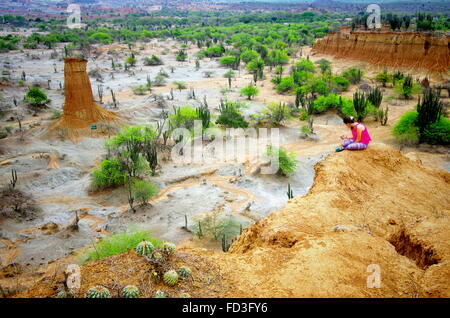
[(367, 211), (407, 51)]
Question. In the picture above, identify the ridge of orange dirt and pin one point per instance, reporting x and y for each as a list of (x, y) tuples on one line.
[(368, 208)]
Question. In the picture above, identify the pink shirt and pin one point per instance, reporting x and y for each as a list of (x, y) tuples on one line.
[(365, 137)]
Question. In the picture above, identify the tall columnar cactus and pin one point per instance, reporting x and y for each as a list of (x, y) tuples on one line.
[(429, 109), (184, 272), (98, 292), (171, 278), (290, 194), (375, 96), (160, 294), (170, 248), (145, 248), (13, 180), (130, 291)]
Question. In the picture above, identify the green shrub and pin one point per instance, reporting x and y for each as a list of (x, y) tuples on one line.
[(438, 132), (339, 83), (287, 162), (276, 113), (183, 117), (56, 113), (287, 84), (110, 174), (303, 65), (143, 190), (214, 51), (353, 74), (231, 117), (152, 61), (406, 130), (250, 91), (36, 97), (140, 89), (180, 85), (116, 244), (249, 55), (342, 104), (228, 61), (215, 227)]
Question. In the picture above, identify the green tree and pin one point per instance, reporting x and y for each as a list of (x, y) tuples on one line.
[(250, 91)]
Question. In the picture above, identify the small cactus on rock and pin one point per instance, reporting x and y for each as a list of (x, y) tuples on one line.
[(160, 294), (184, 272), (130, 291), (144, 248), (170, 248), (171, 278), (61, 294), (98, 292)]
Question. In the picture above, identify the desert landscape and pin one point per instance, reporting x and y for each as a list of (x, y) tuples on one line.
[(92, 117)]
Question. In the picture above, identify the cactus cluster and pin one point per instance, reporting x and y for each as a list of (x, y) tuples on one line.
[(157, 256), (144, 248), (98, 292), (130, 291), (160, 294), (184, 272), (171, 278), (170, 248)]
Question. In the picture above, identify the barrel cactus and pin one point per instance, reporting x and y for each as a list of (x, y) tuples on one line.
[(185, 295), (171, 278), (130, 291), (157, 256), (160, 294), (184, 272), (144, 248), (170, 248), (61, 294), (98, 292)]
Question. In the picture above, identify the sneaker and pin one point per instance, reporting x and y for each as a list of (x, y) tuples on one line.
[(339, 149)]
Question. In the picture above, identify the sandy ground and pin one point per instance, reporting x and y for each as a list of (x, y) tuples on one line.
[(56, 172)]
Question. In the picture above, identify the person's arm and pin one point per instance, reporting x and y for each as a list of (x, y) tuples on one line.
[(360, 129)]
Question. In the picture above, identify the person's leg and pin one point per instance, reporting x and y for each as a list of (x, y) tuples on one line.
[(347, 142), (356, 146)]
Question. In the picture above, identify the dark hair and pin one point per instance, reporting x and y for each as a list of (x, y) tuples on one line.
[(349, 120)]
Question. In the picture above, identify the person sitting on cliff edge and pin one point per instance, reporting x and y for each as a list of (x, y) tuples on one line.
[(360, 139)]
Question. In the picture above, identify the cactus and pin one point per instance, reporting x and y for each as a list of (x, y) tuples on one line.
[(204, 114), (13, 181), (169, 248), (290, 194), (429, 109), (160, 294), (361, 105), (383, 116), (114, 98), (61, 294), (185, 295), (144, 248), (375, 96), (171, 278), (130, 291), (157, 257), (184, 272), (98, 292)]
